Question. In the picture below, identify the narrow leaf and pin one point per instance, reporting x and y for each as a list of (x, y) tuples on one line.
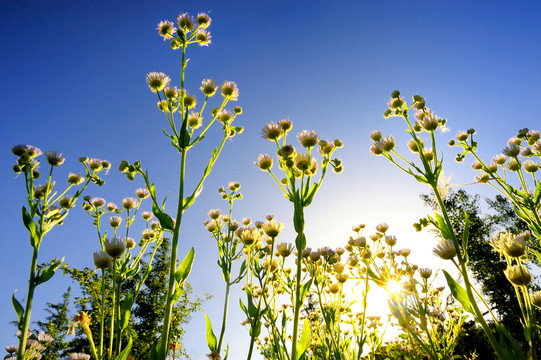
[(125, 312), (304, 340), (31, 226), (185, 267), (18, 308), (211, 338), (124, 354), (458, 292), (48, 272)]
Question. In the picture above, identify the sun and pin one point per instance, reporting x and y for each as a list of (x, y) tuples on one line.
[(393, 287)]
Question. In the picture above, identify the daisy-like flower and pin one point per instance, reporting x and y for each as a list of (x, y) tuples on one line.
[(75, 179), (11, 348), (270, 265), (95, 164), (130, 243), (264, 161), (115, 221), (272, 131), (112, 206), (203, 20), (189, 100), (102, 260), (41, 190), (376, 148), (425, 272), (97, 202), (430, 121), (284, 249), (286, 151), (147, 215), (142, 193), (511, 150), (286, 125), (272, 228), (445, 250), (530, 166), (214, 214), (157, 81), (390, 240), (195, 120), (462, 135), (78, 356), (308, 139), (65, 202), (511, 245), (404, 252), (518, 275), (535, 297), (171, 92), (230, 91), (166, 29), (375, 135), (203, 37), (209, 87), (225, 116), (396, 103), (185, 22), (382, 227), (250, 236), (499, 159), (129, 203), (30, 150), (513, 164), (303, 162), (388, 143), (114, 246), (54, 159)]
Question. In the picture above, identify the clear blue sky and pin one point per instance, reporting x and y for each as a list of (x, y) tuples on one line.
[(74, 81)]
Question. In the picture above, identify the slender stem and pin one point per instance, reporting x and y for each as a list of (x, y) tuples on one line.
[(297, 304), (28, 307), (102, 312), (164, 342), (224, 319), (111, 330)]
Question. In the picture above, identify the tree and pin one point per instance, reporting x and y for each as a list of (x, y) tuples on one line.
[(56, 326), (485, 264)]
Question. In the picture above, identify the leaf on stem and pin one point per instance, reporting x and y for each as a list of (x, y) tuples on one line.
[(125, 312), (48, 273), (31, 227), (459, 292), (124, 354), (304, 340), (185, 267), (18, 309), (211, 338)]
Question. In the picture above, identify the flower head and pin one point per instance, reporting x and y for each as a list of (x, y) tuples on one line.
[(185, 22), (518, 275), (29, 150), (272, 228), (308, 139), (195, 120), (203, 37), (102, 260), (75, 179), (272, 131), (157, 81), (115, 221), (209, 87), (54, 159), (249, 236), (230, 91), (97, 202), (166, 29), (129, 203), (114, 246), (203, 20), (142, 193), (264, 161), (445, 250)]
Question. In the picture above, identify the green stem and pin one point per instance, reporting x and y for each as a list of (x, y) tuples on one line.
[(102, 312), (111, 330), (28, 307), (297, 305), (164, 342), (224, 319)]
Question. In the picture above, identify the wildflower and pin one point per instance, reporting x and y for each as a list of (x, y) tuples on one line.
[(511, 245), (29, 150), (462, 136), (334, 288), (413, 146), (203, 37), (476, 165), (195, 120), (535, 298), (526, 152), (11, 348), (286, 151), (101, 260), (270, 265), (54, 159), (185, 22), (130, 243), (170, 92), (272, 131), (264, 162), (513, 164), (388, 143), (518, 275), (425, 272), (284, 249), (499, 159), (209, 87), (250, 236), (390, 240), (272, 228), (230, 91), (189, 100), (115, 221), (166, 29), (114, 247), (533, 136), (95, 164), (308, 139), (112, 206), (233, 186), (376, 148), (142, 193), (157, 81), (155, 225), (383, 227), (482, 178), (491, 167), (78, 356), (129, 203), (445, 250), (396, 103), (404, 252), (97, 202), (42, 190), (225, 116), (214, 214), (147, 234), (302, 161), (65, 202), (530, 166), (203, 20), (429, 121), (511, 150)]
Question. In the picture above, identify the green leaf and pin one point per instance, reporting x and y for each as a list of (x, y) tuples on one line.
[(124, 354), (31, 227), (304, 290), (48, 272), (243, 307), (304, 340), (179, 290), (211, 338), (466, 237), (185, 267), (18, 309), (125, 312), (166, 221), (537, 195), (445, 232), (459, 292)]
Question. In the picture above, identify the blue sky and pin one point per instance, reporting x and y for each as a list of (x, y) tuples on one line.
[(74, 81)]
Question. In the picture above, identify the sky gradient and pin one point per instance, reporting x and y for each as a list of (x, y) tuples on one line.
[(74, 81)]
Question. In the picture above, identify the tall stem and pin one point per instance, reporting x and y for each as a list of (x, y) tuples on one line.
[(298, 304), (111, 330), (164, 342), (102, 312), (28, 307), (224, 319)]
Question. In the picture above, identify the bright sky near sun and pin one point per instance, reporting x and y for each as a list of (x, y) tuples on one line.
[(74, 81)]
